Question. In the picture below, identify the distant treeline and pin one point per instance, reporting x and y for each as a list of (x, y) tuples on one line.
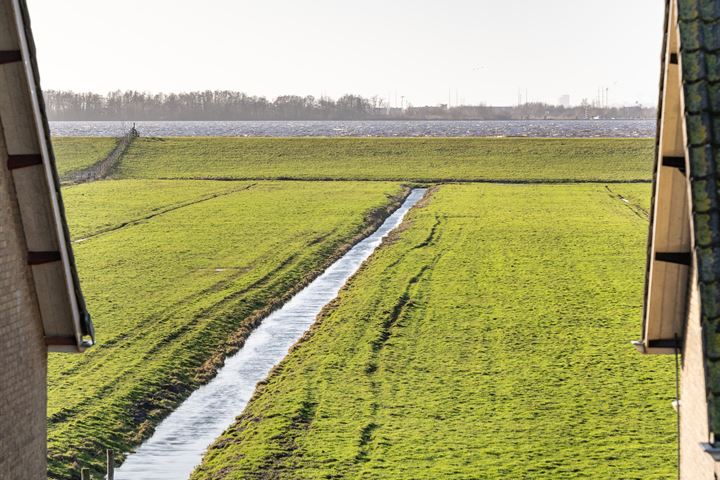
[(231, 105)]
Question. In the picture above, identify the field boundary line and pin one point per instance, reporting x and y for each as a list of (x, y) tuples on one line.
[(168, 209), (506, 181)]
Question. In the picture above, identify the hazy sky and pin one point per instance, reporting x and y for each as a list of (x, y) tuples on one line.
[(480, 50)]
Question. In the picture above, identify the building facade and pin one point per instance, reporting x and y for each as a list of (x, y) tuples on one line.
[(41, 307), (682, 294)]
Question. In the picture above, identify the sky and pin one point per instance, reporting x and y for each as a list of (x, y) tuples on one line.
[(421, 52)]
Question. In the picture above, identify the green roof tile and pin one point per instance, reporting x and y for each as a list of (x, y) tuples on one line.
[(693, 64), (711, 339), (701, 161), (713, 405), (713, 372), (688, 9), (696, 97), (713, 98), (704, 195), (709, 265), (710, 37), (712, 67), (709, 10), (691, 35), (710, 295), (707, 228), (698, 129)]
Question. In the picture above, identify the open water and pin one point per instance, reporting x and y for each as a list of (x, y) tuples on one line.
[(390, 128)]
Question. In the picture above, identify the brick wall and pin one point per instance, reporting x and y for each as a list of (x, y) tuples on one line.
[(695, 464), (23, 355)]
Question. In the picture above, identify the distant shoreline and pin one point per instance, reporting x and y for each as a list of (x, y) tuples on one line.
[(363, 128)]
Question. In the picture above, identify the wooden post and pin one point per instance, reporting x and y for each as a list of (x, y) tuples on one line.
[(85, 474), (110, 464)]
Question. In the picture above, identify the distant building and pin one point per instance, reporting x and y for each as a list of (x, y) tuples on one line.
[(564, 101), (41, 307), (682, 291)]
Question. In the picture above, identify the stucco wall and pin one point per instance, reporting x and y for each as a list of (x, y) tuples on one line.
[(23, 362), (695, 464)]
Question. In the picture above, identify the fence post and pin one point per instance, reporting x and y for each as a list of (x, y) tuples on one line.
[(110, 464), (85, 474)]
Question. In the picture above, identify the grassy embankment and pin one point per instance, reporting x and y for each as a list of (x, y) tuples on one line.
[(403, 159), (169, 288), (190, 268), (77, 153), (489, 339)]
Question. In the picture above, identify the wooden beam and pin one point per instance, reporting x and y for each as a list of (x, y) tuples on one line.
[(10, 56), (66, 341), (671, 238), (21, 161), (679, 258), (664, 343), (674, 162), (38, 258)]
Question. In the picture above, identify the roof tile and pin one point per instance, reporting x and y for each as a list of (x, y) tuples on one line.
[(710, 36), (701, 161), (710, 294), (688, 10), (709, 265), (697, 99), (698, 129), (713, 98), (704, 195), (709, 10), (712, 67), (713, 371), (693, 64), (714, 406), (691, 35), (707, 228), (711, 339)]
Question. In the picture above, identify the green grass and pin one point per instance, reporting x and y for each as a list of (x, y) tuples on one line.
[(98, 207), (489, 339), (77, 153), (391, 159), (172, 293)]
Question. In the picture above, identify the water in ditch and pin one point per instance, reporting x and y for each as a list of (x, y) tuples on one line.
[(180, 440)]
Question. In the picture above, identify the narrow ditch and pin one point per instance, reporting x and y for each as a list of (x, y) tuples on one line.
[(179, 442)]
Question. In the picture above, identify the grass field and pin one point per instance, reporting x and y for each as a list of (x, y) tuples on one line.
[(488, 340), (426, 159), (77, 153), (175, 273)]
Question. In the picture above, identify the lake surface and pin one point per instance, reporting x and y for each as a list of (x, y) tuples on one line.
[(390, 128), (179, 442)]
